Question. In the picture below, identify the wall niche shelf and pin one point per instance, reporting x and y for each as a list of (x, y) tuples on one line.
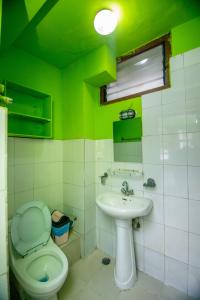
[(30, 115)]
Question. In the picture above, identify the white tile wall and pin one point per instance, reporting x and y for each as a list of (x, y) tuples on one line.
[(4, 290), (168, 243), (176, 244), (79, 189), (35, 172), (176, 274)]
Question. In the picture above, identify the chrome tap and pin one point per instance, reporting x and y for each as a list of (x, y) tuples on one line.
[(125, 190)]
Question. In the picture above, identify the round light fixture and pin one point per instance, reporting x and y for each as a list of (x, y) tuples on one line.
[(105, 21)]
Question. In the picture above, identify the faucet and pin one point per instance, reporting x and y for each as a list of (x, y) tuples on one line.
[(125, 189)]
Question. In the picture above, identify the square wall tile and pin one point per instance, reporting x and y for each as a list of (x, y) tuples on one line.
[(73, 172), (192, 76), (48, 150), (90, 241), (152, 99), (177, 79), (10, 179), (192, 94), (104, 150), (176, 244), (175, 149), (152, 121), (194, 250), (89, 195), (176, 274), (194, 282), (174, 118), (23, 177), (155, 172), (3, 172), (90, 154), (73, 196), (154, 236), (73, 150), (106, 242), (152, 149), (176, 62), (192, 57), (154, 264), (139, 256), (176, 212), (90, 218), (193, 182), (194, 149), (193, 114), (157, 213), (22, 197), (48, 173), (194, 216), (175, 181), (10, 149), (103, 221), (172, 95), (24, 151), (51, 195), (10, 205), (89, 176)]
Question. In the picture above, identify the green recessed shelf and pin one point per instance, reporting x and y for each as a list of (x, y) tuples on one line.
[(30, 115)]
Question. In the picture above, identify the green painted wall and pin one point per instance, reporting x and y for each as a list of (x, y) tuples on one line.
[(23, 68), (80, 91), (186, 37), (84, 116), (0, 19), (75, 90)]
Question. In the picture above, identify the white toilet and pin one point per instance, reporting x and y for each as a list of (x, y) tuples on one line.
[(40, 267)]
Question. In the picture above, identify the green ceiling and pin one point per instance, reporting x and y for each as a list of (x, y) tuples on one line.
[(60, 31)]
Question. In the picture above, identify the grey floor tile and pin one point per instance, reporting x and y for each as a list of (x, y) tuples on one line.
[(88, 279), (169, 293), (71, 286), (86, 267), (149, 283), (137, 293), (86, 294), (103, 283)]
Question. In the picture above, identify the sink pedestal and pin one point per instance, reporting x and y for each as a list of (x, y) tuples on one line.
[(125, 268)]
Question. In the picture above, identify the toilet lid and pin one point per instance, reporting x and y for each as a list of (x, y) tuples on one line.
[(30, 227)]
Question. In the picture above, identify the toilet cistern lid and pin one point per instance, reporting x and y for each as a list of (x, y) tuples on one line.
[(30, 227)]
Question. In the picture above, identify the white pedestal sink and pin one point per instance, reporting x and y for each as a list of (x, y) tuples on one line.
[(124, 209)]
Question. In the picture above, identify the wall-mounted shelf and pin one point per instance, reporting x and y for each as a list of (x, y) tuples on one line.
[(125, 172), (30, 115), (34, 118)]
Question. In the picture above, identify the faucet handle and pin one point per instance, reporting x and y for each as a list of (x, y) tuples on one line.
[(125, 183)]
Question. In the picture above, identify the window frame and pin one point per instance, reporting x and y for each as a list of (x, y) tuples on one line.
[(165, 41)]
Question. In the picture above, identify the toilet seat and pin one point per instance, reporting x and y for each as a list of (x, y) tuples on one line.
[(30, 227)]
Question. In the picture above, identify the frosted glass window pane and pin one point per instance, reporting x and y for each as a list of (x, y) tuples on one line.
[(135, 75)]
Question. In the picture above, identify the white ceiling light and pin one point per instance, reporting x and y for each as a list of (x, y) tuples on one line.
[(105, 21)]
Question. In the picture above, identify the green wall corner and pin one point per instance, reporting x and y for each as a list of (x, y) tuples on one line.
[(186, 36)]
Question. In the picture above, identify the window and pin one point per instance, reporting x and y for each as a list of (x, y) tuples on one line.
[(142, 71)]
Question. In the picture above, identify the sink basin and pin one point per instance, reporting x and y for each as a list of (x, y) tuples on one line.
[(124, 207)]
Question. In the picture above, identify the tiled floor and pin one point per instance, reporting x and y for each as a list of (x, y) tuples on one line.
[(88, 279)]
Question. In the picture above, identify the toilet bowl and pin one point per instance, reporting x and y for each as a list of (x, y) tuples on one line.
[(39, 266)]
